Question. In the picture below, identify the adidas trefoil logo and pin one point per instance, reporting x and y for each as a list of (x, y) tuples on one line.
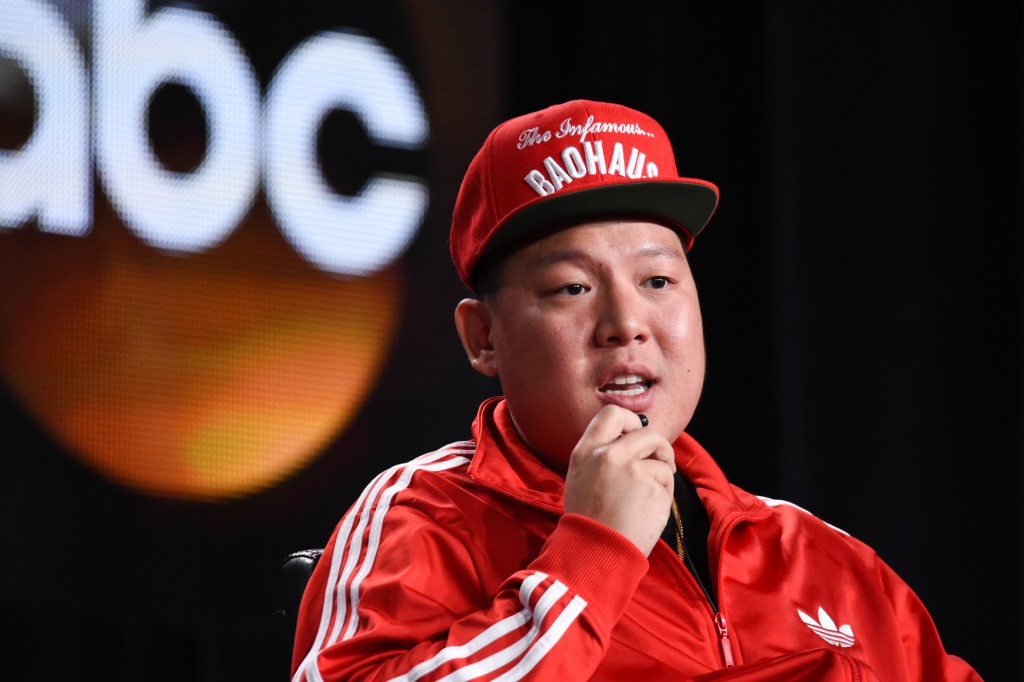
[(826, 628)]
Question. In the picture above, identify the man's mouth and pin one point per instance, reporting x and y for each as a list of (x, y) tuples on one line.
[(626, 384)]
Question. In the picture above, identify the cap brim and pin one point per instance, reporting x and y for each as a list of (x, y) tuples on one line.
[(687, 204)]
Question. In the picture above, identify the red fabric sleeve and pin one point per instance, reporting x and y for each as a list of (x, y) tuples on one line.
[(397, 596), (926, 657)]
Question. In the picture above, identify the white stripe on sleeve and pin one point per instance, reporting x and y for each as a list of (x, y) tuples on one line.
[(334, 593)]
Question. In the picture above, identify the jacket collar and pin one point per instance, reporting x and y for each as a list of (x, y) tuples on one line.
[(503, 462)]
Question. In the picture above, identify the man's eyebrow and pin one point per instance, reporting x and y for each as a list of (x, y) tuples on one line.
[(567, 255), (557, 256), (661, 251)]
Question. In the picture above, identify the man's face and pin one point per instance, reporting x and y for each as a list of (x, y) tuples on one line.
[(603, 312)]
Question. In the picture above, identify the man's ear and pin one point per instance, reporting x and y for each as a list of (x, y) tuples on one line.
[(473, 322)]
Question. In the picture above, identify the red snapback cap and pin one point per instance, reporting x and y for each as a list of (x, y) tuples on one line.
[(571, 161)]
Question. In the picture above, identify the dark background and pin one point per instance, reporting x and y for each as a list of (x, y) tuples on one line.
[(861, 286)]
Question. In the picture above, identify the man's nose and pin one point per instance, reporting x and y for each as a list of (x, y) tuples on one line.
[(621, 316)]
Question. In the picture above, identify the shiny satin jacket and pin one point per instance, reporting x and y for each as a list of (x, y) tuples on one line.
[(460, 565)]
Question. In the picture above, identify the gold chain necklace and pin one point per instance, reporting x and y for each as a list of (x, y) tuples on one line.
[(679, 529)]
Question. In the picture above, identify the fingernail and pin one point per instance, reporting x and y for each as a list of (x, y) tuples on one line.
[(643, 419)]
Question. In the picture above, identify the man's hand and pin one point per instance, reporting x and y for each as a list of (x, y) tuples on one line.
[(621, 475)]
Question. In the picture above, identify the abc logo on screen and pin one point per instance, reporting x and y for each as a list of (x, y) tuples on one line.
[(175, 361)]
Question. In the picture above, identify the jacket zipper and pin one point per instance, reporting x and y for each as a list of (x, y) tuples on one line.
[(723, 640), (716, 614), (725, 644), (855, 668), (722, 627), (720, 624)]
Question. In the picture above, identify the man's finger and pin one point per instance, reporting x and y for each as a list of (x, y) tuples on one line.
[(608, 424)]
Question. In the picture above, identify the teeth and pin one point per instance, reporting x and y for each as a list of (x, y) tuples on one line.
[(636, 384), (631, 391)]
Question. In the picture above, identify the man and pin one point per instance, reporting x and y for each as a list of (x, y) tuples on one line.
[(582, 534)]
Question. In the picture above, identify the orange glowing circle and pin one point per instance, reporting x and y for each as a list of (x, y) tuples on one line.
[(203, 376)]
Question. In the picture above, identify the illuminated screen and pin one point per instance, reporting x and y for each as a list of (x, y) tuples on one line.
[(207, 216)]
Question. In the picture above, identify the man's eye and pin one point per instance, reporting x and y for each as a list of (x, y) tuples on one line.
[(574, 289), (658, 282)]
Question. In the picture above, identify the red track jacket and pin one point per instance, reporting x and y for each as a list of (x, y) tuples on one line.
[(460, 565)]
